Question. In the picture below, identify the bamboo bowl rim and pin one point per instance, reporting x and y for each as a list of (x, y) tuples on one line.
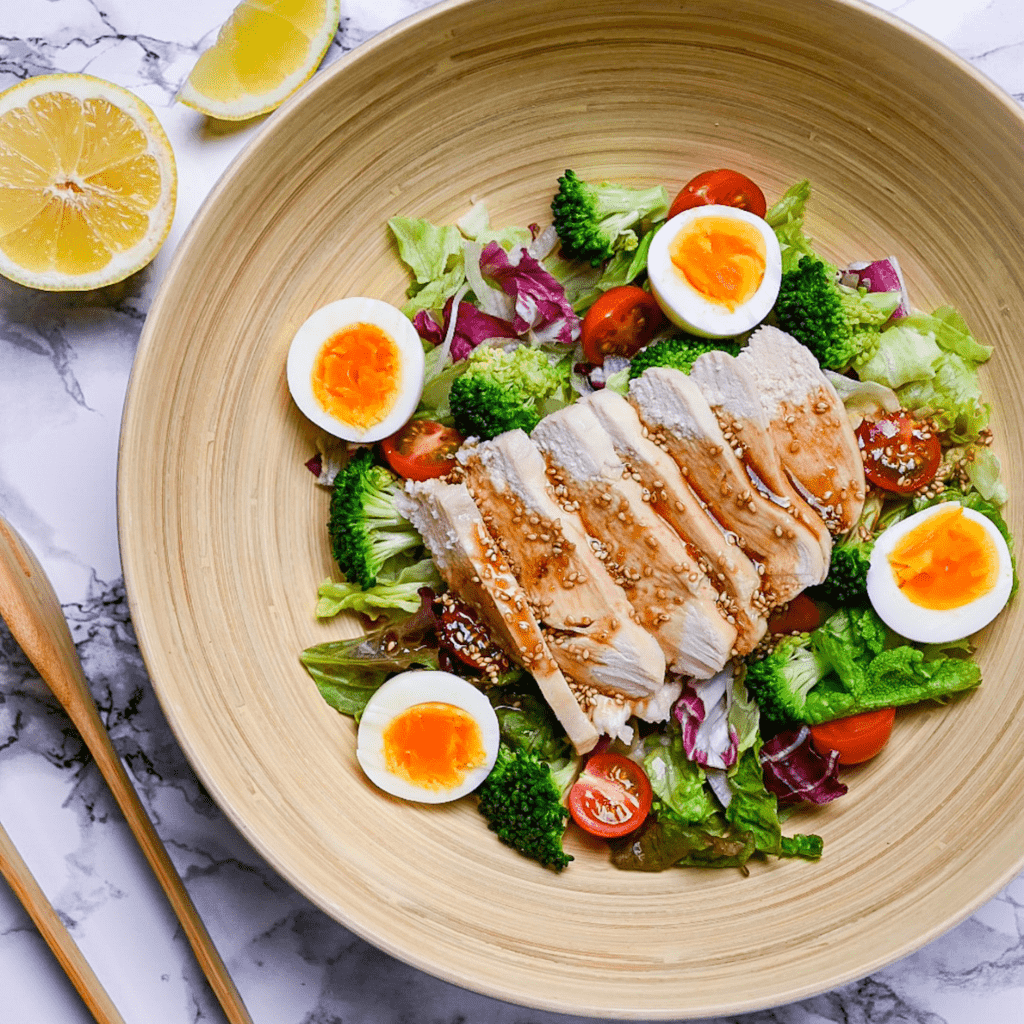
[(222, 552)]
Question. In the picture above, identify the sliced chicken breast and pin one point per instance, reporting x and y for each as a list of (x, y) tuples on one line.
[(680, 420), (589, 622), (611, 713), (733, 395), (476, 571), (728, 569), (809, 425), (668, 590)]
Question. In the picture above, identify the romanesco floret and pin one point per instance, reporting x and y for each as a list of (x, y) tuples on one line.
[(596, 221), (679, 353), (840, 325), (365, 529), (522, 804), (507, 390)]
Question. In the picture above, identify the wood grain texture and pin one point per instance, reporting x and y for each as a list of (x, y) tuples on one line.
[(29, 606), (57, 937), (910, 153)]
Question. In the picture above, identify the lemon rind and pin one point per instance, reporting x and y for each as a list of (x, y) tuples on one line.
[(263, 103)]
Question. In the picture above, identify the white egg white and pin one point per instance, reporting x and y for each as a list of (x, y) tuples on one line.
[(403, 691), (929, 625), (324, 324), (688, 308)]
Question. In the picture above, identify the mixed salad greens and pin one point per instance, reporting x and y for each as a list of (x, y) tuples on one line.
[(517, 323)]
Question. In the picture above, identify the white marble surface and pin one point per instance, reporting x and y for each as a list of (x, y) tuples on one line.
[(64, 366)]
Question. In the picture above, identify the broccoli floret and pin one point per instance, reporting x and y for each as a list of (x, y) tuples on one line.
[(595, 221), (847, 582), (843, 669), (364, 527), (839, 325), (781, 681), (678, 353), (521, 801), (501, 390), (846, 585)]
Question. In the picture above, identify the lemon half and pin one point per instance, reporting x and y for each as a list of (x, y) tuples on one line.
[(87, 183), (263, 53)]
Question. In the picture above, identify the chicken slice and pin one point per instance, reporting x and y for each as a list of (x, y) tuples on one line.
[(733, 395), (680, 420), (809, 425), (611, 713), (728, 569), (589, 621), (668, 590), (473, 567)]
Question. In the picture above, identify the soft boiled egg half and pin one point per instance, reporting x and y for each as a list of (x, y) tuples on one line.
[(715, 270), (355, 368), (940, 574), (428, 736)]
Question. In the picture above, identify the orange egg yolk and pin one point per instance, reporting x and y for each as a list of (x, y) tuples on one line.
[(357, 375), (946, 562), (722, 259), (433, 745)]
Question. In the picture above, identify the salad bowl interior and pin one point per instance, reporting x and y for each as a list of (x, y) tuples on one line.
[(909, 152)]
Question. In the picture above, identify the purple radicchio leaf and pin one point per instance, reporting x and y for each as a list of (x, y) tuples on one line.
[(795, 772), (428, 328), (703, 712), (882, 275), (539, 300), (472, 327)]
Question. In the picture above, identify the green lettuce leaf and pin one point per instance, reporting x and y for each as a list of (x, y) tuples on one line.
[(744, 715), (434, 254), (786, 219), (904, 354), (393, 591), (678, 784), (807, 846), (664, 843), (348, 672), (752, 808), (584, 284), (476, 226), (618, 382), (932, 363), (985, 474), (951, 332), (952, 398)]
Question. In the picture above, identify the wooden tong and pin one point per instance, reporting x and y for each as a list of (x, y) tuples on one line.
[(29, 606), (57, 937)]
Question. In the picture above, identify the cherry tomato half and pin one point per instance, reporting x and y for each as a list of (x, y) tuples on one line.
[(720, 188), (422, 449), (612, 796), (801, 615), (620, 323), (900, 453), (857, 738)]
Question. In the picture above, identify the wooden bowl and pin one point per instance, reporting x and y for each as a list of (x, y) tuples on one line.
[(222, 529)]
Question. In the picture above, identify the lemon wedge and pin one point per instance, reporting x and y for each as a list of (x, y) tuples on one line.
[(87, 183), (263, 53)]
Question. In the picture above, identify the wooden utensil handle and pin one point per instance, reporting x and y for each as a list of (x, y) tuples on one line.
[(57, 937), (109, 763), (33, 614)]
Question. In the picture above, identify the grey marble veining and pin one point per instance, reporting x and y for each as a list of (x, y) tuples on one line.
[(64, 365)]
